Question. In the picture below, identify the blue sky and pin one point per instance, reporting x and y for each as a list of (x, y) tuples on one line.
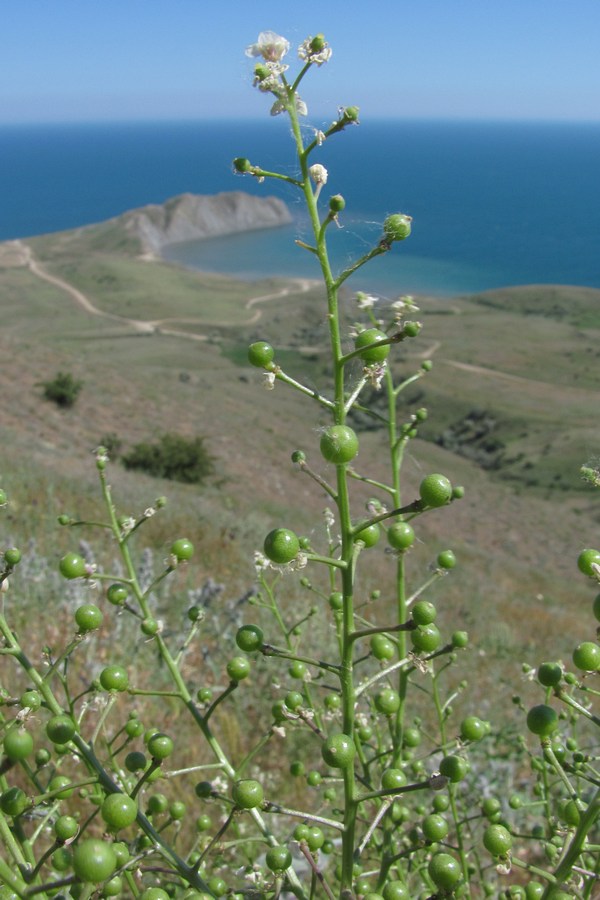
[(68, 60)]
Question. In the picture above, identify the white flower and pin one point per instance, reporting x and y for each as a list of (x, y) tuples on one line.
[(375, 373), (260, 562), (279, 107), (329, 518), (320, 137), (316, 57), (365, 301), (318, 173), (269, 380), (272, 47)]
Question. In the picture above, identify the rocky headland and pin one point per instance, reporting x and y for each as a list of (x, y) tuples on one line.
[(194, 217)]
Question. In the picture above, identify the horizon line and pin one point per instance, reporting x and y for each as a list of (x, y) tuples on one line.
[(246, 120)]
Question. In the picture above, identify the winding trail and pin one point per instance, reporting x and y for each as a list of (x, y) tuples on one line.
[(18, 253)]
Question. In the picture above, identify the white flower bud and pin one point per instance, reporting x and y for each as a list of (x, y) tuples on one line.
[(318, 173)]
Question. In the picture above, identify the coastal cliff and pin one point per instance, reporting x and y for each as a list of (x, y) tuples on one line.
[(193, 217)]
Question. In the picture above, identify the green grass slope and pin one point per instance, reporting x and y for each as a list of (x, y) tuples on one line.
[(513, 414)]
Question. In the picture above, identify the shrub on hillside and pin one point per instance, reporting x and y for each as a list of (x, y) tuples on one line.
[(172, 456), (63, 389)]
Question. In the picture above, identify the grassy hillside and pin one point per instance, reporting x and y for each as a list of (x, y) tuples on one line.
[(512, 399)]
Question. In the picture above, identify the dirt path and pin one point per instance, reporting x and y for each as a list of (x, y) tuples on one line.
[(18, 253)]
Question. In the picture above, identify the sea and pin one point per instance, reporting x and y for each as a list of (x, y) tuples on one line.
[(493, 204)]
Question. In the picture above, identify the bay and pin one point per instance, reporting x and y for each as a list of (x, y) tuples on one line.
[(493, 203)]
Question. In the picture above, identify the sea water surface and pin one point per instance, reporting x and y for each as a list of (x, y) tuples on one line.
[(493, 203)]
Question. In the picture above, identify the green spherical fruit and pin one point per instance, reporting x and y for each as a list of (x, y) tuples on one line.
[(247, 793), (217, 886), (134, 728), (249, 638), (381, 647), (473, 729), (62, 859), (278, 859), (396, 227), (369, 535), (375, 353), (497, 840), (401, 535), (293, 700), (149, 626), (298, 670), (339, 444), (411, 329), (60, 729), (586, 561), (182, 550), (18, 744), (88, 617), (281, 546), (454, 768), (177, 810), (446, 559), (460, 639), (118, 811), (392, 779), (586, 656), (426, 638), (114, 678), (65, 828), (94, 860), (434, 827), (315, 838), (12, 556), (337, 203), (135, 761), (160, 746), (542, 720), (387, 701), (336, 601), (117, 594), (13, 802), (157, 804), (238, 668), (30, 700), (444, 870), (72, 566), (338, 751), (549, 674), (435, 491), (59, 786), (491, 807), (570, 813), (395, 890), (411, 737), (260, 354), (424, 612)]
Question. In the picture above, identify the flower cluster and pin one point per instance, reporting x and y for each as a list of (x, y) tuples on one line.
[(269, 76)]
